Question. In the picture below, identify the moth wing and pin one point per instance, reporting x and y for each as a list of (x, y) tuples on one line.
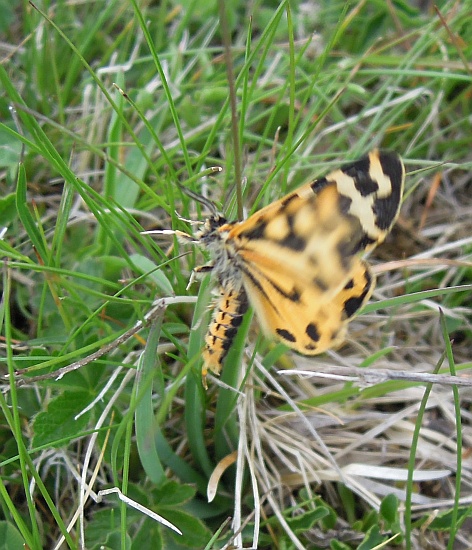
[(311, 324), (298, 264), (299, 255), (369, 189), (308, 242)]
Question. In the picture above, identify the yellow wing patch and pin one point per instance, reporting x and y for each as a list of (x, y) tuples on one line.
[(296, 261)]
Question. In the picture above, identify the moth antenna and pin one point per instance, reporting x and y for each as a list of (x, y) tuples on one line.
[(201, 199)]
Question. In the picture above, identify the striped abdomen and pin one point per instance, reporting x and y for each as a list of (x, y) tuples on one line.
[(227, 317)]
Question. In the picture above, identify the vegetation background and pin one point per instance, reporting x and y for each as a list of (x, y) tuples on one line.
[(105, 107)]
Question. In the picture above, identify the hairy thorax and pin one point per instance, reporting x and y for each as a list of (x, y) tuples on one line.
[(226, 262)]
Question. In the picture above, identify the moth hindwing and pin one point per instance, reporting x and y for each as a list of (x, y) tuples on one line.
[(296, 261)]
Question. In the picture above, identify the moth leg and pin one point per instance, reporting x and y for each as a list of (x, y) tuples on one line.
[(226, 319), (181, 235), (191, 222), (197, 271)]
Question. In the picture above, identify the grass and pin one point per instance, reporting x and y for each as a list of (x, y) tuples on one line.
[(105, 107)]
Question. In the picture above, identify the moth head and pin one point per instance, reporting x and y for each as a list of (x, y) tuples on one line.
[(215, 219), (210, 232)]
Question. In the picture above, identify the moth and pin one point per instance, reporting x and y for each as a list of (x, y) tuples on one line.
[(297, 261)]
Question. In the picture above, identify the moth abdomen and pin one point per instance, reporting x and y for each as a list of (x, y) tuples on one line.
[(227, 317)]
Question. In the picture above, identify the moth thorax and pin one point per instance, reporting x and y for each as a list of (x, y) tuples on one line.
[(226, 261)]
